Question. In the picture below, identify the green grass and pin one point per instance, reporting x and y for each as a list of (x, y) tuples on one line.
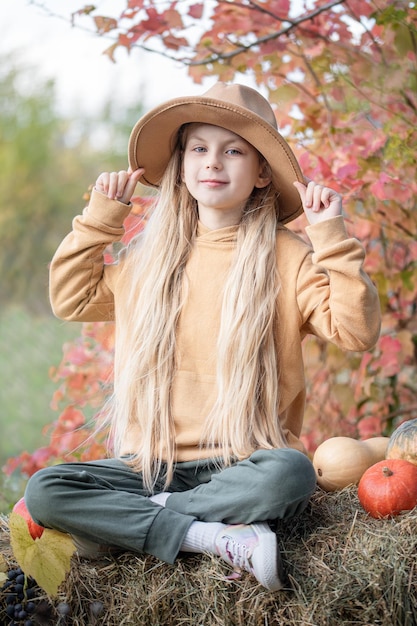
[(29, 346)]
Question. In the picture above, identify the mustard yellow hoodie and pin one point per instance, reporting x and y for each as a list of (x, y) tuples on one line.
[(324, 291)]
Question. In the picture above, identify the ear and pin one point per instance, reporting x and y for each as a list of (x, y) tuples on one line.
[(263, 182), (264, 177)]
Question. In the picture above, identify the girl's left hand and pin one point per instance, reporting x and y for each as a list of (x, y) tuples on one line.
[(119, 185), (319, 203)]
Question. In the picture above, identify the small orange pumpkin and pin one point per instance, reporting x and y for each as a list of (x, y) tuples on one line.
[(388, 488), (403, 442)]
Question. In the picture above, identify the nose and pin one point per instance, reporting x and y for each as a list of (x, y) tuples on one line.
[(213, 162)]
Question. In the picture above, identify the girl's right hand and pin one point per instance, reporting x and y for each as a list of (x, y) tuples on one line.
[(119, 185)]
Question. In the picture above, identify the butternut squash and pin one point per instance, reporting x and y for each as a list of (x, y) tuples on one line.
[(341, 461)]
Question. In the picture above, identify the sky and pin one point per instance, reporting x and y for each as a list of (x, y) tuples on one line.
[(73, 57)]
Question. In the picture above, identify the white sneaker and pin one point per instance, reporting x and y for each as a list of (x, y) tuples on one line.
[(91, 550), (252, 548)]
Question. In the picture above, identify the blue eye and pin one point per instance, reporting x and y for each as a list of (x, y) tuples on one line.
[(233, 151), (199, 149)]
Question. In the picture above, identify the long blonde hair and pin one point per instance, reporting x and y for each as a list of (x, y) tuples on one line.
[(245, 414)]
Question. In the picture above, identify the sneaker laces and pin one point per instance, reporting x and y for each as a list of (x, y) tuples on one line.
[(239, 554), (252, 548)]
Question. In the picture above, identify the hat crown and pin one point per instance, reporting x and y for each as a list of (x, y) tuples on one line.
[(244, 97)]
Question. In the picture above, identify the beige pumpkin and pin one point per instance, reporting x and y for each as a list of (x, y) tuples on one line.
[(378, 447), (341, 461)]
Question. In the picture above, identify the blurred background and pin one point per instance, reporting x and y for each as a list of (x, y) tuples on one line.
[(66, 112)]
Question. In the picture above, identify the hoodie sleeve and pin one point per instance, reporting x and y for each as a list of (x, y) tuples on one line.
[(337, 300), (79, 286)]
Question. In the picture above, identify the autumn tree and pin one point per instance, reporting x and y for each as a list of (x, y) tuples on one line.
[(342, 76)]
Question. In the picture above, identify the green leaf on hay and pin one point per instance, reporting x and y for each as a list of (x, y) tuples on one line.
[(47, 559)]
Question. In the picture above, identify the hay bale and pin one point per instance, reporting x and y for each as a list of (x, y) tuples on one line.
[(343, 567)]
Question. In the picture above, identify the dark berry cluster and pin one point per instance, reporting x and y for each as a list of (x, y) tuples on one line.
[(19, 594)]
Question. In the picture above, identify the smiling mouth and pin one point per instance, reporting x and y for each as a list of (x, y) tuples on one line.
[(213, 182)]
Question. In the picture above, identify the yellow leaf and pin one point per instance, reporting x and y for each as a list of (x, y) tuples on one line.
[(3, 564), (47, 559), (3, 569), (284, 93), (104, 24), (110, 52)]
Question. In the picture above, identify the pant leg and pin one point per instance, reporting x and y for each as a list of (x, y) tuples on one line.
[(105, 502), (269, 485)]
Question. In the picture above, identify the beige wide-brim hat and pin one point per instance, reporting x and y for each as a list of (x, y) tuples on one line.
[(237, 108)]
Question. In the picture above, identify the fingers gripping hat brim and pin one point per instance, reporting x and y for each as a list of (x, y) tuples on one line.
[(153, 138)]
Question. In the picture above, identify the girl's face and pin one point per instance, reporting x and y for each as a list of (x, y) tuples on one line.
[(220, 170)]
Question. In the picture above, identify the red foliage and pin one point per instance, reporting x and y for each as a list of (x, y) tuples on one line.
[(84, 378)]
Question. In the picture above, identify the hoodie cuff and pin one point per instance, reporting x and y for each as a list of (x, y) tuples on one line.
[(327, 233), (111, 213)]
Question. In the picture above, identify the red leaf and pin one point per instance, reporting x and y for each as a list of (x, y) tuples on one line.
[(174, 43), (379, 187), (388, 361), (196, 10), (154, 23), (172, 18)]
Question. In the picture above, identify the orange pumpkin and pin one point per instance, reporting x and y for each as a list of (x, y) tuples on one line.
[(403, 442), (388, 488), (35, 530)]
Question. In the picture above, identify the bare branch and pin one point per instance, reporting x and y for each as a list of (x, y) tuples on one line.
[(410, 410)]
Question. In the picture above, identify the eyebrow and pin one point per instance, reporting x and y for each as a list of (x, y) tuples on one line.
[(229, 140)]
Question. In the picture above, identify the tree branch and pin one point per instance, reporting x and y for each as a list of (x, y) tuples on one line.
[(241, 48), (403, 411), (215, 56)]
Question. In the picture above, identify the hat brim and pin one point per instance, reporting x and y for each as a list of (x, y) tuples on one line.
[(153, 138)]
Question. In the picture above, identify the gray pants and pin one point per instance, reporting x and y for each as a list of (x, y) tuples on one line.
[(106, 502)]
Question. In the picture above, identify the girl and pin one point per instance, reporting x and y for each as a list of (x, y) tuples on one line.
[(211, 303)]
